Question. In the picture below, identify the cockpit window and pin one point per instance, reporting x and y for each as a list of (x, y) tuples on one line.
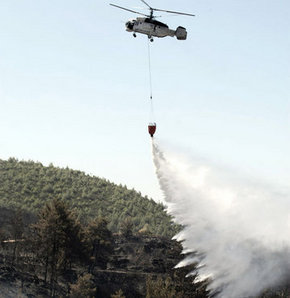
[(154, 22), (130, 25), (159, 24)]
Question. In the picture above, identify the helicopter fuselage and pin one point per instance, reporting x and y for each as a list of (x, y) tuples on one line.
[(151, 27)]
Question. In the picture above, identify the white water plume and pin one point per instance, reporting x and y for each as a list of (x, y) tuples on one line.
[(239, 228)]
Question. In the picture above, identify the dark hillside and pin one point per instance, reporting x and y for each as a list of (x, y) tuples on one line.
[(137, 266), (28, 185), (58, 256)]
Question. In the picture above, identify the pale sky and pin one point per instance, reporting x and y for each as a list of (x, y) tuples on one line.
[(74, 86)]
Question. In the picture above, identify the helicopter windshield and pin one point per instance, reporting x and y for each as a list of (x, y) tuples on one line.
[(154, 22), (130, 25)]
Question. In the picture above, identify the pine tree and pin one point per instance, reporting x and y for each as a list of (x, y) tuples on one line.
[(126, 227), (16, 231), (57, 239), (99, 242)]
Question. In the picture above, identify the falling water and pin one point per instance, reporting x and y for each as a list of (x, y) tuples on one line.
[(239, 228)]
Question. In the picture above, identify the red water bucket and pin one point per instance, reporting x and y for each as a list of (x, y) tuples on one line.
[(151, 129)]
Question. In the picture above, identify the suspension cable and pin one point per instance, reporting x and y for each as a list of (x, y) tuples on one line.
[(150, 79)]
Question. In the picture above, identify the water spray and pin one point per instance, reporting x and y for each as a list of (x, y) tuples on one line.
[(237, 227)]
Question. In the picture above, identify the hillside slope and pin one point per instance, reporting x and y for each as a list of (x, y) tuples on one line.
[(29, 185)]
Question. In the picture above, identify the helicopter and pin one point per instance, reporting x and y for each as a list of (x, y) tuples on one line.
[(151, 27)]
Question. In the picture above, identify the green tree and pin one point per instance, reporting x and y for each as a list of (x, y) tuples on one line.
[(57, 239), (126, 227), (99, 242), (16, 232)]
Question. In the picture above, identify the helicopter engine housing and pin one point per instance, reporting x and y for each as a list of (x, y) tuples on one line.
[(181, 33)]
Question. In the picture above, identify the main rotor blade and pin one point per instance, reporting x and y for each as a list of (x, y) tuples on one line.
[(146, 4), (129, 10), (176, 12)]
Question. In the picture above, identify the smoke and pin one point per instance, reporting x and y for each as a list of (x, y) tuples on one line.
[(237, 229)]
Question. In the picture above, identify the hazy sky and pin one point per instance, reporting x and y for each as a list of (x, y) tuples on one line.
[(74, 86)]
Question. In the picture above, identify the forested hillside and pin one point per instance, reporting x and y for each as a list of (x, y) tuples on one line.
[(29, 185)]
